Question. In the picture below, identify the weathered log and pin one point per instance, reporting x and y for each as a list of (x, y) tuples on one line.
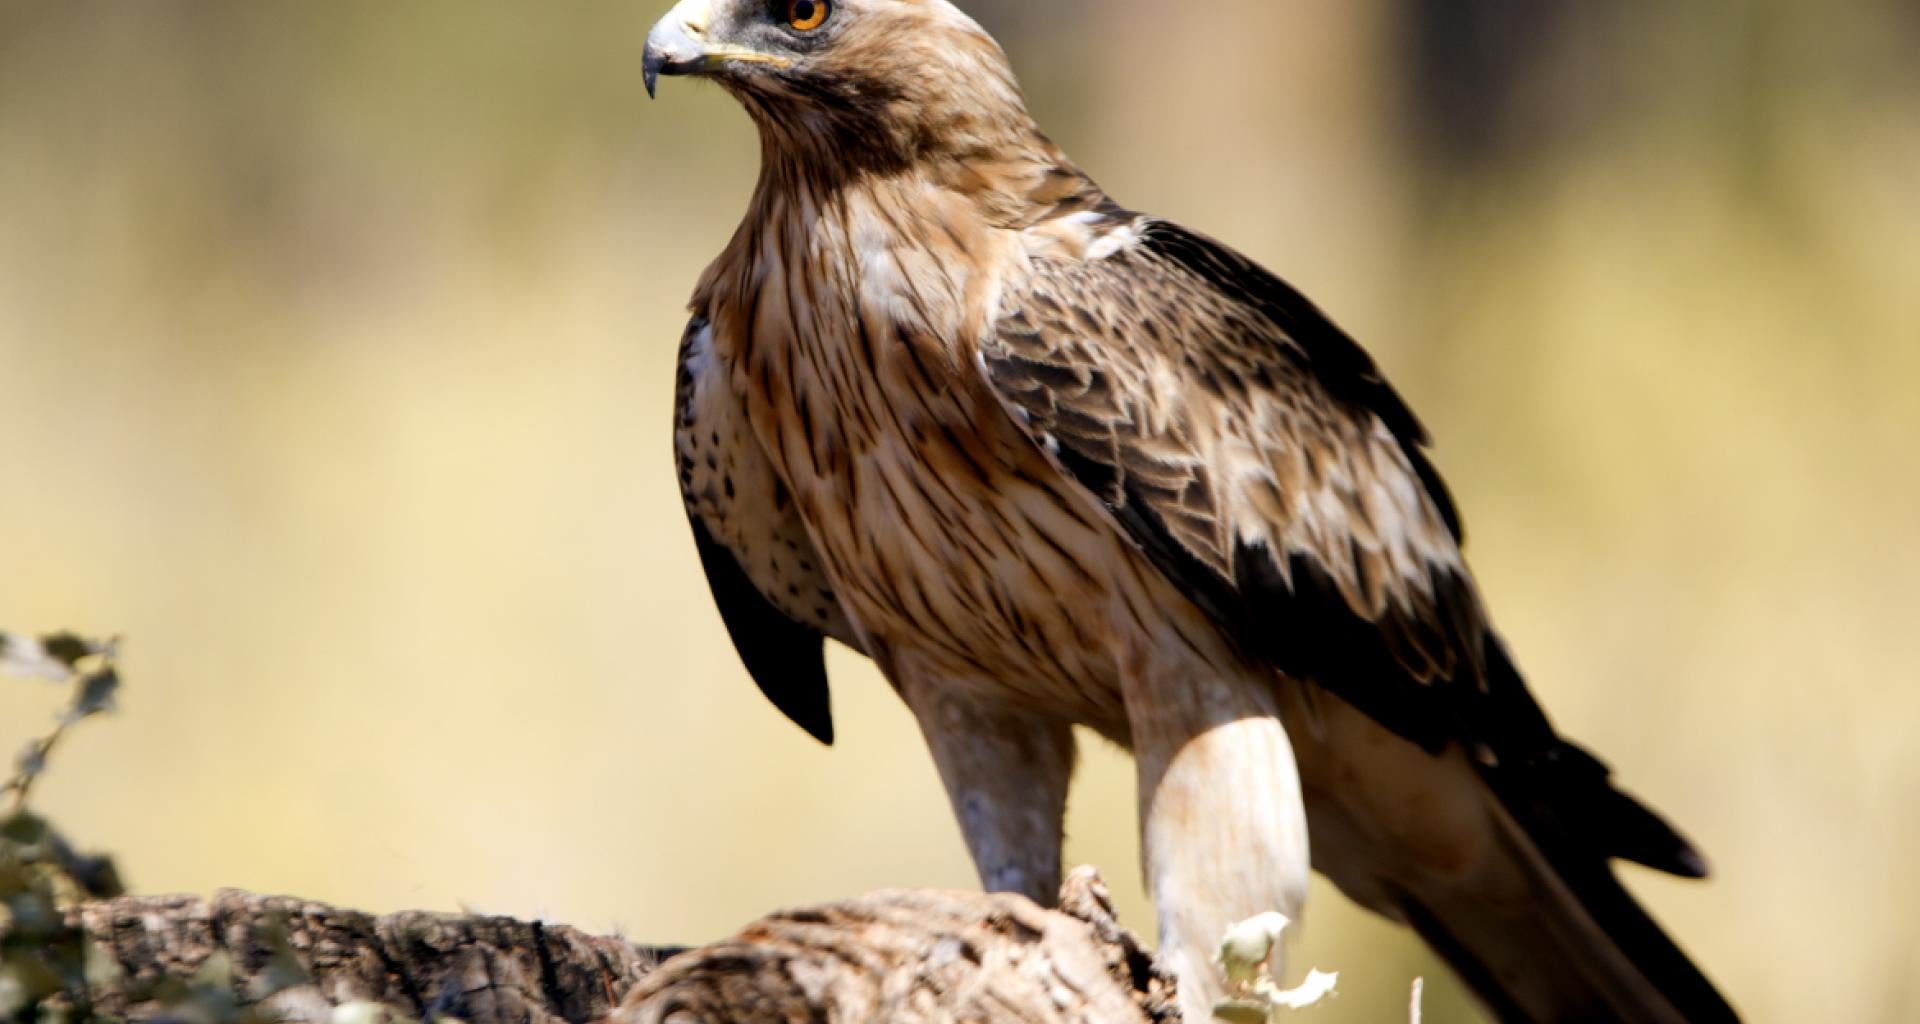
[(918, 957), (890, 956), (419, 965)]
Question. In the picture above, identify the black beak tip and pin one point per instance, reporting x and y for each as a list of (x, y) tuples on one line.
[(651, 73)]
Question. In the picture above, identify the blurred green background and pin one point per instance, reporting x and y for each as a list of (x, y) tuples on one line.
[(336, 360)]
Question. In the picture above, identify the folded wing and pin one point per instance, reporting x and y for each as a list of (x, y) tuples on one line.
[(1255, 453), (776, 601)]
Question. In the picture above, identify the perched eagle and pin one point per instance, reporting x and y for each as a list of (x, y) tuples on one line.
[(1047, 460)]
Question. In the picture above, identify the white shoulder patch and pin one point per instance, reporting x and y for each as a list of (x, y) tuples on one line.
[(1103, 245)]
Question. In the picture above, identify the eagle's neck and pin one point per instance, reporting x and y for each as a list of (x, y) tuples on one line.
[(994, 157)]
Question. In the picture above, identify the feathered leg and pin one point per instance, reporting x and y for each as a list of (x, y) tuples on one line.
[(1223, 828), (1006, 771)]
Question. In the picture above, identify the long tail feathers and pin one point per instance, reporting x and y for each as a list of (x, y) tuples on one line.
[(1580, 948), (1564, 823)]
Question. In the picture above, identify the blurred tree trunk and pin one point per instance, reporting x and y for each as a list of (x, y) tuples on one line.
[(897, 956), (1489, 82)]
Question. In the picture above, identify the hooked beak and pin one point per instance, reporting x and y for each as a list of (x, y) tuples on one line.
[(679, 45)]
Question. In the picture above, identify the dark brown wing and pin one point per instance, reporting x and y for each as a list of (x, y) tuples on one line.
[(1254, 452), (760, 562)]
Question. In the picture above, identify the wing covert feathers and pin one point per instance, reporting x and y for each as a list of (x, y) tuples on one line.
[(1258, 457)]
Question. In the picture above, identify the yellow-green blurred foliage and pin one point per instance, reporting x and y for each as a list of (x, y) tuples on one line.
[(336, 355)]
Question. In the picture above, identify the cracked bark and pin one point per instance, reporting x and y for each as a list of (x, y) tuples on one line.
[(890, 956)]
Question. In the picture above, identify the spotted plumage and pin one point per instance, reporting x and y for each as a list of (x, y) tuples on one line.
[(1049, 461), (776, 601)]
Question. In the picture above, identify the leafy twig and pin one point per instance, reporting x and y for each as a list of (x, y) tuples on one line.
[(48, 969), (89, 665)]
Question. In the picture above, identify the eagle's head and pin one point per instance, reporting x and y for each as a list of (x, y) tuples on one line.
[(875, 81)]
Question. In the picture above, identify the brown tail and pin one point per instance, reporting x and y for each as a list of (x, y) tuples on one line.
[(1581, 948)]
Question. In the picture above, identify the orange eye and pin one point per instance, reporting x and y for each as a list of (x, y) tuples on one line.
[(807, 15)]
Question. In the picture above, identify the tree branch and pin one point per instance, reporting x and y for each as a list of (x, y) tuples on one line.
[(891, 956)]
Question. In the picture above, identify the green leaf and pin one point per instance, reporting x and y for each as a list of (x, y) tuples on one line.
[(283, 969), (216, 972), (96, 694), (24, 829), (207, 999), (14, 878), (34, 915), (26, 978), (68, 649), (97, 876), (56, 1012), (102, 971), (1241, 1011)]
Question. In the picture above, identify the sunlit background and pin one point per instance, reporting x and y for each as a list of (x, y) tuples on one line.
[(336, 362)]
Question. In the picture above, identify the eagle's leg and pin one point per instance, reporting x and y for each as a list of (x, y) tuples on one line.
[(1223, 826), (1006, 771)]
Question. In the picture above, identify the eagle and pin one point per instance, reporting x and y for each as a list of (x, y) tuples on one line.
[(1049, 461)]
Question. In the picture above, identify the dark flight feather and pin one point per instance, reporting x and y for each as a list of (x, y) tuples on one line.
[(786, 659), (760, 564)]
